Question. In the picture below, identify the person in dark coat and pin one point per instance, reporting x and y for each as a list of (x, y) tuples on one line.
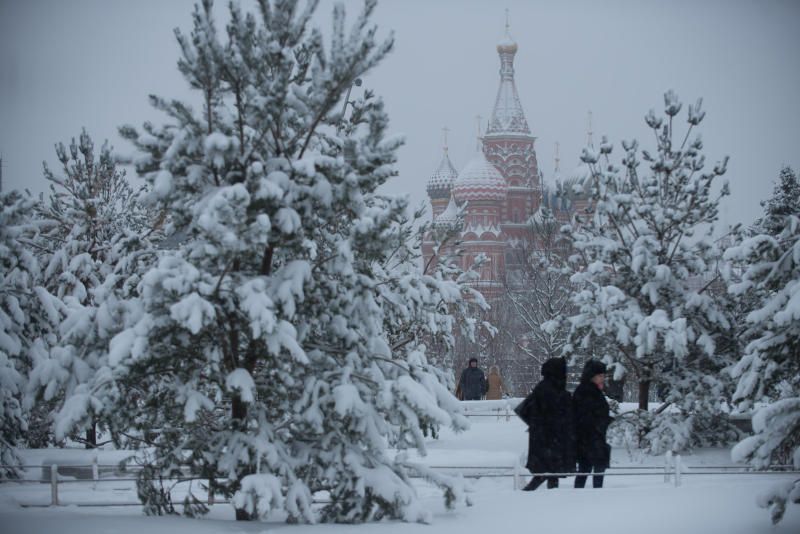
[(548, 413), (473, 382), (591, 423)]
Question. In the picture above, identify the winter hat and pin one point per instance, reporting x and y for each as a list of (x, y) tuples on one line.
[(555, 369), (592, 368)]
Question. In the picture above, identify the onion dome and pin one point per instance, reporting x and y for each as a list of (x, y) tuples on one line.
[(507, 45), (480, 180), (441, 182), (449, 216)]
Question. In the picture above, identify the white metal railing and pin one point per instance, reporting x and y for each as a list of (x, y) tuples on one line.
[(673, 471)]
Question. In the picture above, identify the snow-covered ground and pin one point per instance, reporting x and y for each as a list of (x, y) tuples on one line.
[(703, 504)]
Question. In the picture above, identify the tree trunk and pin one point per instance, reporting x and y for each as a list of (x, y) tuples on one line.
[(239, 416), (91, 437), (644, 394), (238, 409), (243, 515)]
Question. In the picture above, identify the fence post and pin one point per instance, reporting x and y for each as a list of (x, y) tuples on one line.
[(54, 485), (516, 476), (210, 491), (95, 472), (678, 469), (667, 461)]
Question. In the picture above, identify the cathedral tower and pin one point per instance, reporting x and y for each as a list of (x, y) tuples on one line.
[(498, 190), (509, 146)]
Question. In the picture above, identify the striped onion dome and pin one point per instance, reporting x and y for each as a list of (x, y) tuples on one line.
[(480, 180), (441, 182)]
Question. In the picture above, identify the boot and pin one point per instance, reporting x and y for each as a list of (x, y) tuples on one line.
[(534, 483)]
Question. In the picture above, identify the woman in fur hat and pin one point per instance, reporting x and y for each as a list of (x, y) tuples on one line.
[(591, 422)]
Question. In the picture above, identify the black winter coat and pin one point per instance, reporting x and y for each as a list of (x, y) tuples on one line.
[(591, 423), (548, 413), (473, 383)]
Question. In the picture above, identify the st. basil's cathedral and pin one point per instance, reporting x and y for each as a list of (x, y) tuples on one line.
[(501, 188)]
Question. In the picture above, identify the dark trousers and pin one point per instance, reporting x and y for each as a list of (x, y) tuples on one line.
[(536, 481), (587, 466)]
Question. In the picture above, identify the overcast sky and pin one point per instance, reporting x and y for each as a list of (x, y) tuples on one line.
[(68, 64)]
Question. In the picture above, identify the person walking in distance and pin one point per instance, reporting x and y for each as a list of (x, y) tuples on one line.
[(495, 391), (473, 382), (548, 413), (591, 423)]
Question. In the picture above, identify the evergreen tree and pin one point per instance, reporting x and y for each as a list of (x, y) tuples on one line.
[(90, 207), (277, 349), (785, 201), (768, 373), (646, 269), (28, 315)]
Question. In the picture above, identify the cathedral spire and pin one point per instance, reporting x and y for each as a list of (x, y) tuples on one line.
[(507, 115), (558, 160)]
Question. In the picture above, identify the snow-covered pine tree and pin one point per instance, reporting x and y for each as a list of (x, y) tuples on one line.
[(273, 349), (90, 208), (768, 373), (647, 266), (28, 319), (785, 201)]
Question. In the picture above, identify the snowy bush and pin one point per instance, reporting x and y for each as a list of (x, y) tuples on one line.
[(656, 433)]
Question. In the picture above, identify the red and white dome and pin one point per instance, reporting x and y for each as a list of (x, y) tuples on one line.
[(480, 180)]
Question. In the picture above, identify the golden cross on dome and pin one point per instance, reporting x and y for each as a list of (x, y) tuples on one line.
[(445, 130)]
